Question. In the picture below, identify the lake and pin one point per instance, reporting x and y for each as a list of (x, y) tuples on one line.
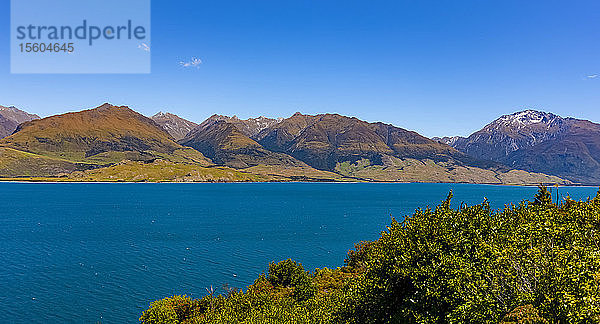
[(89, 253)]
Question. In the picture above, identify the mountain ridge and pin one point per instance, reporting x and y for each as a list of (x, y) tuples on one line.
[(90, 139), (249, 127), (324, 147), (339, 138), (222, 141), (535, 140), (355, 149)]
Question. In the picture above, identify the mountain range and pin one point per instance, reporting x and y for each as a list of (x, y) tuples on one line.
[(538, 141), (111, 143), (225, 143)]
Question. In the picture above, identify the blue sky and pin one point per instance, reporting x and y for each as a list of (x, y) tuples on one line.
[(436, 67)]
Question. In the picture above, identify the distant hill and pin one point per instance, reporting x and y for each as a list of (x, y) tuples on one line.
[(11, 117), (540, 142), (173, 124), (94, 134), (222, 141), (92, 138)]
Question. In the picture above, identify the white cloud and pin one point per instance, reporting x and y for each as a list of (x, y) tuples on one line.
[(144, 47), (593, 76), (194, 63)]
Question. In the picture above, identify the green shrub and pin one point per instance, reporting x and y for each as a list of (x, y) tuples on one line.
[(475, 265), (289, 274), (443, 265), (176, 309), (357, 258)]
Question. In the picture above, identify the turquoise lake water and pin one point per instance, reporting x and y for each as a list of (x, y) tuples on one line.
[(89, 253)]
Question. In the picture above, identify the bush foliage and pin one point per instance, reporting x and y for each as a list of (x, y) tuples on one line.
[(536, 262)]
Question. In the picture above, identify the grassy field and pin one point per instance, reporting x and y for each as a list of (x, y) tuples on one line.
[(412, 170), (158, 171)]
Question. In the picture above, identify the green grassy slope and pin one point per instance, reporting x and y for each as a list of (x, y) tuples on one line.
[(163, 171), (428, 170), (14, 163)]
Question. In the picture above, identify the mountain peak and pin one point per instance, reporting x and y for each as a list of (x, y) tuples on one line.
[(226, 141), (13, 111), (173, 124), (522, 119), (249, 127), (449, 140), (105, 106), (216, 117), (164, 114), (11, 117)]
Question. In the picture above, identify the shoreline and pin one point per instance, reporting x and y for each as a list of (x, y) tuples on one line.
[(290, 182)]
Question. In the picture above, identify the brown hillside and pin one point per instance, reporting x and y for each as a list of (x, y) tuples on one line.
[(106, 134)]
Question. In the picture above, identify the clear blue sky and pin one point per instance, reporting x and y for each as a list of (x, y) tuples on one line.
[(436, 67)]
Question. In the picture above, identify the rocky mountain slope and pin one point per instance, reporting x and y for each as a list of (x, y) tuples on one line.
[(324, 141), (540, 142), (452, 141), (249, 127), (173, 124), (223, 141), (347, 147), (11, 117), (7, 126)]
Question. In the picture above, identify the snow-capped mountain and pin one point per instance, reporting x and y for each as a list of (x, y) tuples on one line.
[(510, 133), (540, 142), (524, 119)]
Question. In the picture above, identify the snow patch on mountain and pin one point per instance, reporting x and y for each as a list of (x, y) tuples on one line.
[(449, 140), (250, 127), (524, 119), (510, 133)]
